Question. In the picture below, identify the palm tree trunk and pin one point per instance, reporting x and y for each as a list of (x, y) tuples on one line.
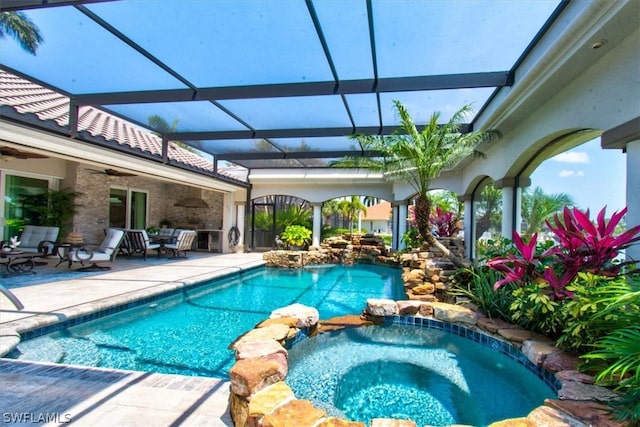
[(422, 212)]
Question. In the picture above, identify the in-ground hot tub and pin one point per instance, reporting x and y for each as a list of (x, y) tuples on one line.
[(406, 372)]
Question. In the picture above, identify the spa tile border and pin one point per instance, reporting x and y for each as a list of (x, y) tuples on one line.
[(138, 302), (501, 346)]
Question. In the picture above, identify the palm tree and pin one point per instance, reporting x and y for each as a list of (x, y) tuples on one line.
[(22, 29), (419, 157), (489, 209), (538, 207)]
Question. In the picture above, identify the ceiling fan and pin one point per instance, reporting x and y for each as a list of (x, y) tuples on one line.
[(111, 172), (10, 152)]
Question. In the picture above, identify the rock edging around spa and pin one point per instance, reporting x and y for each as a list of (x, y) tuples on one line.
[(260, 396)]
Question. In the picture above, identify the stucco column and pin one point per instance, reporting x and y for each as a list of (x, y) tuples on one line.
[(317, 224), (511, 203), (402, 222), (633, 195), (468, 225), (240, 214)]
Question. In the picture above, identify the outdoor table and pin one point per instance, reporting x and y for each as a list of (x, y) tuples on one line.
[(20, 262), (63, 249)]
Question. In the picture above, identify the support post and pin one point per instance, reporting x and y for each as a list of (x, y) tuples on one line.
[(317, 224)]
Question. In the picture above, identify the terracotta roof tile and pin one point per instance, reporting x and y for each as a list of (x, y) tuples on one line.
[(28, 97)]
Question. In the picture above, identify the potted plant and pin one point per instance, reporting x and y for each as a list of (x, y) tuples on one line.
[(296, 237)]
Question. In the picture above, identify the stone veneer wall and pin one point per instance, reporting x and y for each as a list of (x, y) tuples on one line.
[(261, 397), (93, 216)]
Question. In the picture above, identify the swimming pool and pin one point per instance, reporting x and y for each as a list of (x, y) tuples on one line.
[(426, 375), (189, 333)]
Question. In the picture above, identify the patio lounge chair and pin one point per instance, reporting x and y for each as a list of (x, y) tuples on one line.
[(36, 238), (183, 243), (137, 242), (107, 251)]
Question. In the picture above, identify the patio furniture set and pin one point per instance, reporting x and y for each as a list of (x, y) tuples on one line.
[(20, 256)]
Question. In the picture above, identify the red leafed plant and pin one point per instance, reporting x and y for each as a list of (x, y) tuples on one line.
[(445, 223), (584, 246)]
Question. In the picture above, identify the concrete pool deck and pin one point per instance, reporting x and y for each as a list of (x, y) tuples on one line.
[(39, 393)]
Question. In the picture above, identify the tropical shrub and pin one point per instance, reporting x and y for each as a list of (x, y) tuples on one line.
[(584, 246), (616, 356), (476, 285), (412, 238), (445, 223), (583, 320), (296, 235)]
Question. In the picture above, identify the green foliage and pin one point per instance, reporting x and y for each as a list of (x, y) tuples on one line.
[(538, 207), (22, 29), (54, 208), (291, 215), (584, 321), (296, 235), (616, 355), (412, 238), (533, 309), (476, 284), (492, 248)]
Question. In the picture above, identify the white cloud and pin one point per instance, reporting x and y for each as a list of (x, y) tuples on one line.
[(564, 173), (572, 157)]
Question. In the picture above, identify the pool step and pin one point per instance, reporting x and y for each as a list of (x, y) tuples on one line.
[(44, 349)]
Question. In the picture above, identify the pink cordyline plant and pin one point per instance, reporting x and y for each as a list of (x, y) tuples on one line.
[(444, 222), (584, 246)]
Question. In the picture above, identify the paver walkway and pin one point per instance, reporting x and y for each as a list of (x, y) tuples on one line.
[(47, 394)]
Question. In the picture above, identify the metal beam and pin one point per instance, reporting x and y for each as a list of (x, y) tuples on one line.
[(16, 5), (289, 133), (296, 155), (346, 87)]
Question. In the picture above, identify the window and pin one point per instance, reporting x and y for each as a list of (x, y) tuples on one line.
[(127, 208), (17, 191)]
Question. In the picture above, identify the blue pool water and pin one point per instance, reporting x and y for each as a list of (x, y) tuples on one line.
[(432, 377), (190, 334)]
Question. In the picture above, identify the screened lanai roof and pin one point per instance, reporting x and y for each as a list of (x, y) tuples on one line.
[(279, 83)]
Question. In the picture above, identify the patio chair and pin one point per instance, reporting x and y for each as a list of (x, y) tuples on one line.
[(137, 242), (183, 243), (107, 251), (37, 238)]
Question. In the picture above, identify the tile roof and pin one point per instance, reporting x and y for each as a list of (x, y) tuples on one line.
[(381, 211), (26, 97)]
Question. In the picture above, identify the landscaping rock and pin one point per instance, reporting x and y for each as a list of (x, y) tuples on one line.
[(514, 422), (293, 413), (537, 351), (546, 416), (590, 413), (492, 325), (573, 375), (516, 335), (267, 399), (408, 308), (250, 375), (561, 361), (381, 307), (271, 332), (342, 322), (255, 349), (338, 422), (454, 313), (307, 316), (574, 390)]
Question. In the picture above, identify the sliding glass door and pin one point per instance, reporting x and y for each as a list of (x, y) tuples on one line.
[(17, 213), (128, 208)]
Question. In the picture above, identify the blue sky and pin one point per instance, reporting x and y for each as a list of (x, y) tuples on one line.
[(593, 177)]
